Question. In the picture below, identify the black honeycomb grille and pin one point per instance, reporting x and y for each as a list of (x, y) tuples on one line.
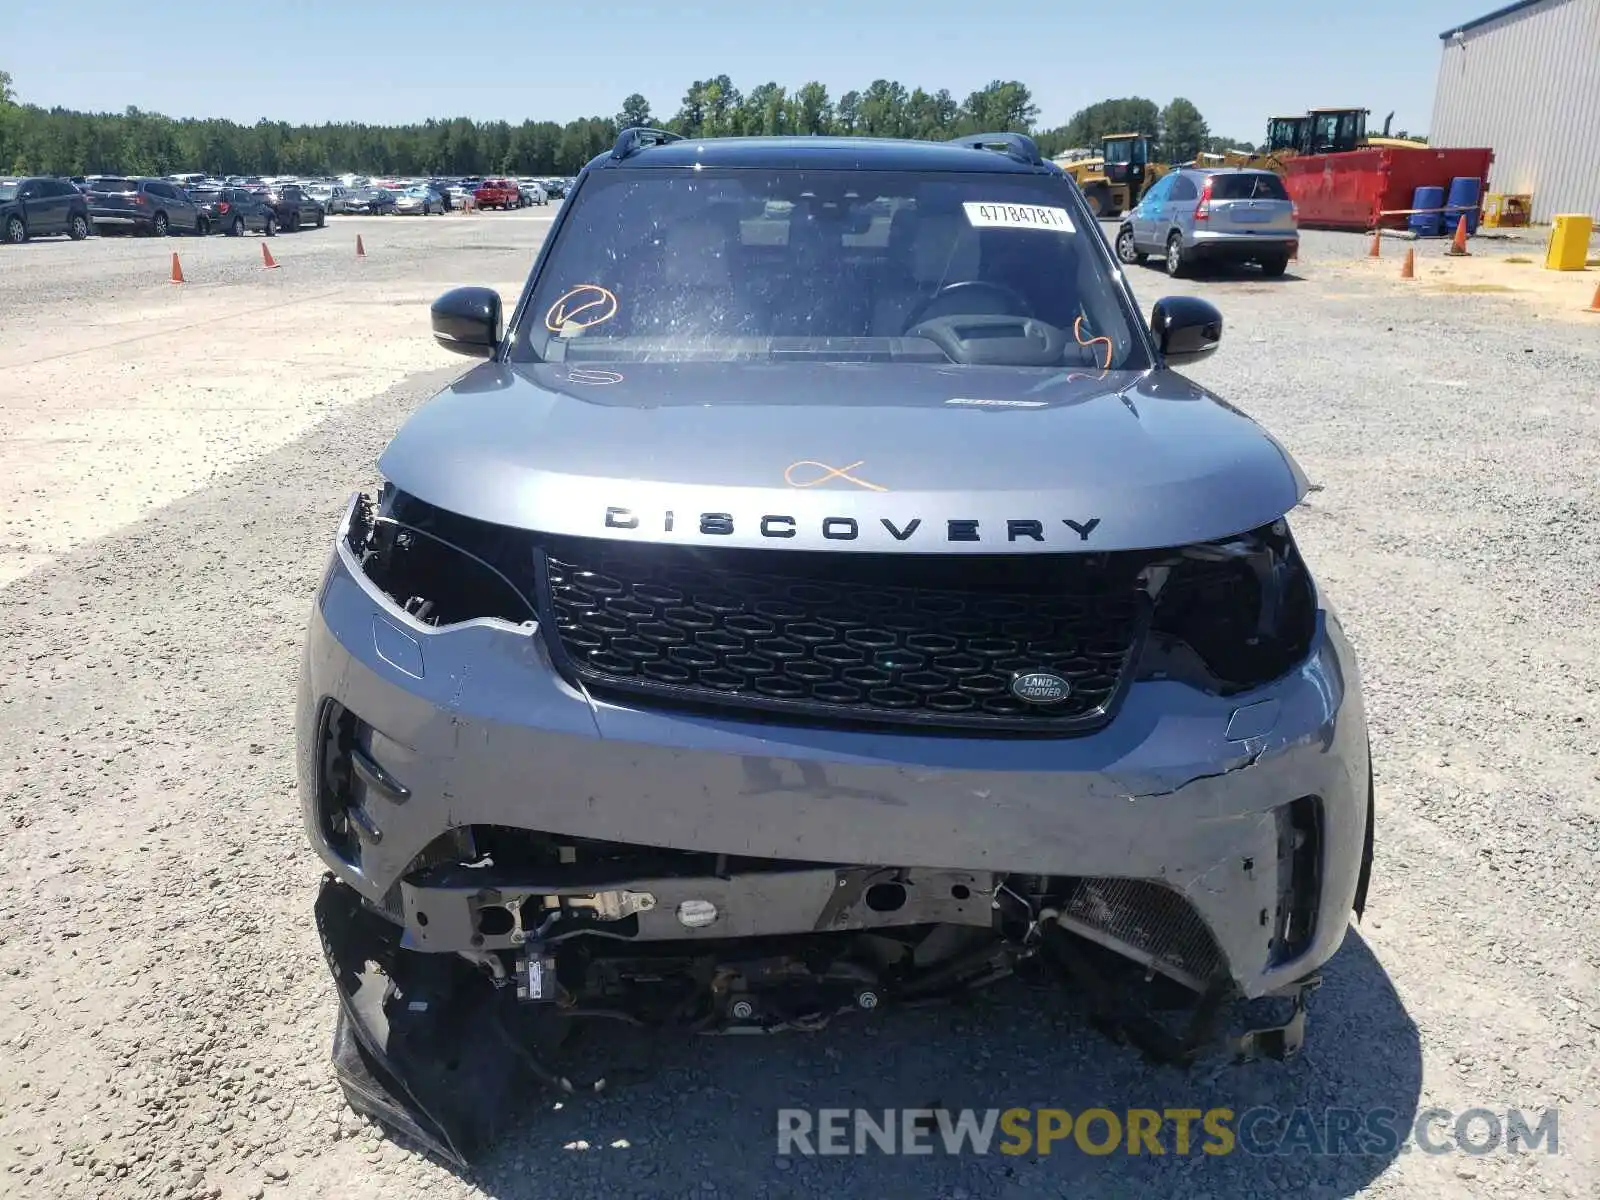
[(931, 640)]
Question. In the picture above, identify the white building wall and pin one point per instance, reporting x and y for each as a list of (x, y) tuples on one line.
[(1527, 85)]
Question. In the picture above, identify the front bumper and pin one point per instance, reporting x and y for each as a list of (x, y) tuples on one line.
[(471, 725)]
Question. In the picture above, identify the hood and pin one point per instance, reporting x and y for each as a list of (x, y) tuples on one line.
[(845, 456)]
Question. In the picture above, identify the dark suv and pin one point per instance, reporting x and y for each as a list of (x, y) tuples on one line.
[(149, 206), (38, 207), (294, 208), (235, 210), (826, 596)]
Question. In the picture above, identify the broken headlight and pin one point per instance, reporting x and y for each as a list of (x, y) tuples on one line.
[(1231, 614), (439, 567)]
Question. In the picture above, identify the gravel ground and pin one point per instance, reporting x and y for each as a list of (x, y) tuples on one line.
[(164, 1012)]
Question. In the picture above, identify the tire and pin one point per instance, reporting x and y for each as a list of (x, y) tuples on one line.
[(322, 219), (271, 227), (294, 223), (1099, 198), (78, 228), (1177, 264), (1127, 252), (237, 228), (1274, 265), (159, 226), (202, 227), (16, 230)]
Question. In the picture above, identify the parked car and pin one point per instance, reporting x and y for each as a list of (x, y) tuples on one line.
[(497, 193), (234, 210), (37, 206), (607, 712), (329, 195), (370, 201), (149, 206), (556, 189), (442, 187), (416, 201), (294, 208), (532, 192), (1201, 215)]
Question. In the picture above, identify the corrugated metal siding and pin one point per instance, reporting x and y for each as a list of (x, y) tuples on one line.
[(1528, 86)]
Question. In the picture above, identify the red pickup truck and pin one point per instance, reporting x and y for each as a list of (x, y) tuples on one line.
[(498, 193)]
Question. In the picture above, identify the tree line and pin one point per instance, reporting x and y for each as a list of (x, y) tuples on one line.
[(61, 141)]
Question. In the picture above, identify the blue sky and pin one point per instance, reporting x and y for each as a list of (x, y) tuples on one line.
[(405, 60)]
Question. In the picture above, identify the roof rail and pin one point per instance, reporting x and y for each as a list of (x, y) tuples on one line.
[(634, 139), (1018, 145)]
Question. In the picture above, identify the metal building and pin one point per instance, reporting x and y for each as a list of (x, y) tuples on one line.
[(1525, 81)]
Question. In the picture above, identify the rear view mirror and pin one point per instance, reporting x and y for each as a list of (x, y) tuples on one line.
[(1186, 329), (467, 321)]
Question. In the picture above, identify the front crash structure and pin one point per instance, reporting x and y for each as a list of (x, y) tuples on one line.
[(469, 989)]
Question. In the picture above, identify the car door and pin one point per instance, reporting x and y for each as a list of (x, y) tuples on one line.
[(36, 208), (184, 213), (1146, 214), (1177, 212), (57, 195)]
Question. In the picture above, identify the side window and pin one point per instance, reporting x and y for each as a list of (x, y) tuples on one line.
[(1184, 189), (29, 191), (158, 189), (1159, 193)]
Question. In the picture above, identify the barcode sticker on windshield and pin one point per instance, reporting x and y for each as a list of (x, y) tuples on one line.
[(1018, 216)]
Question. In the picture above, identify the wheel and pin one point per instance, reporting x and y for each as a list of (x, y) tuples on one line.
[(1274, 265), (159, 226), (16, 231), (1176, 265), (271, 227), (1099, 198), (322, 219), (294, 222), (1126, 250), (237, 228), (78, 228), (202, 227)]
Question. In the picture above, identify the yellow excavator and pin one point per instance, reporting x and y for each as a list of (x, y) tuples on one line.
[(1319, 131), (1120, 176)]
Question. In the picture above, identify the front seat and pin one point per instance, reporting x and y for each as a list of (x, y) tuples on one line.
[(695, 291), (944, 250)]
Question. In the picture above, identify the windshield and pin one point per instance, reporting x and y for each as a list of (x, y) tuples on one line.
[(718, 265)]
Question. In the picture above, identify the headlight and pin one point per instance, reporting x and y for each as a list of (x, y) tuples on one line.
[(441, 568), (1231, 614)]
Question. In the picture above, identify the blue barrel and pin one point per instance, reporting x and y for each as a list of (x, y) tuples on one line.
[(1427, 224), (1463, 202)]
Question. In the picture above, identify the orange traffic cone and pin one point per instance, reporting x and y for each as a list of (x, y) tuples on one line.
[(266, 257), (177, 270), (1408, 269), (1594, 305), (361, 251), (1372, 252), (1458, 244)]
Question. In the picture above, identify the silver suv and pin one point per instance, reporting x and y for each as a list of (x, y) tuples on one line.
[(825, 596), (1194, 217)]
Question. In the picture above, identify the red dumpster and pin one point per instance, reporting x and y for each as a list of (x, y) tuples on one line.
[(1354, 189)]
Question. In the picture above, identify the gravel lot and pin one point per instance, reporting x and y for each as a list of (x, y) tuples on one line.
[(164, 1012)]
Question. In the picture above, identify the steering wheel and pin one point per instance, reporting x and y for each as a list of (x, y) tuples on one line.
[(1015, 304)]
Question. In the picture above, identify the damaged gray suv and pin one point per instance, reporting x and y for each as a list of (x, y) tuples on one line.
[(825, 596)]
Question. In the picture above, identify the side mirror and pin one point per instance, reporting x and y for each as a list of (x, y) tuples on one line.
[(1186, 329), (467, 321)]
